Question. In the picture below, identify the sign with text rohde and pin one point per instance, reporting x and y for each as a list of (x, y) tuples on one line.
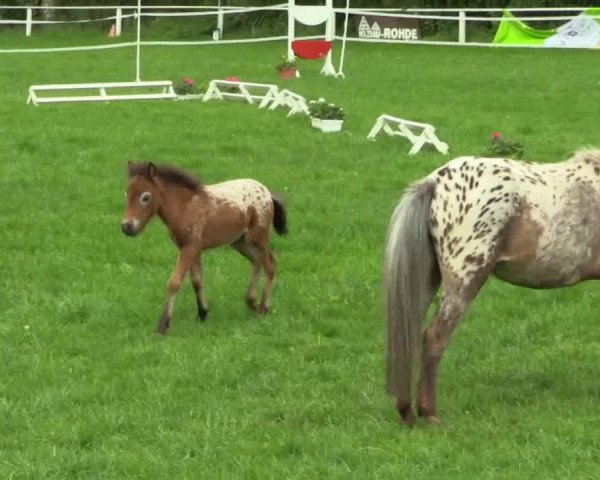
[(389, 28)]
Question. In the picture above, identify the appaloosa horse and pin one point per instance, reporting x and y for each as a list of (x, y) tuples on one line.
[(533, 225), (237, 213)]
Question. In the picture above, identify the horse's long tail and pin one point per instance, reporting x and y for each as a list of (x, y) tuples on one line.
[(411, 278), (279, 215)]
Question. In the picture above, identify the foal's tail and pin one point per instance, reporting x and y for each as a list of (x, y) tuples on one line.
[(411, 278), (279, 215)]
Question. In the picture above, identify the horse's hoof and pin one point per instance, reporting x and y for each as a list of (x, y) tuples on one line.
[(202, 315)]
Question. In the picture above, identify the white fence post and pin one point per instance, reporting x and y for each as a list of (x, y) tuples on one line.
[(119, 21), (220, 22), (28, 22), (462, 26)]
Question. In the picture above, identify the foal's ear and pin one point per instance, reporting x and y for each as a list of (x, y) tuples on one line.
[(151, 170)]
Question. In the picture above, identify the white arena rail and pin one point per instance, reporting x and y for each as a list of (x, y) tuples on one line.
[(461, 17)]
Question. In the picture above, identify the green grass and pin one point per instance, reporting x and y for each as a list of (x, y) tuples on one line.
[(88, 391)]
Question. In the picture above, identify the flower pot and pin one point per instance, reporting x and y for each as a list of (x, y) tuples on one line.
[(288, 73), (326, 125), (191, 96)]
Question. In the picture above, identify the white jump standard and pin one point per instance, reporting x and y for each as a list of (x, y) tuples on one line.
[(245, 91), (295, 102), (405, 128), (103, 93)]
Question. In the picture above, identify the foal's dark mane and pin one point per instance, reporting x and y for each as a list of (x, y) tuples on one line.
[(168, 174)]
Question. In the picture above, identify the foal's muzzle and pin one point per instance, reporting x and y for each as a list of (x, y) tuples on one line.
[(129, 229)]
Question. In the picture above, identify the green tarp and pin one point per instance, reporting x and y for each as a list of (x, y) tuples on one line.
[(516, 32), (583, 31)]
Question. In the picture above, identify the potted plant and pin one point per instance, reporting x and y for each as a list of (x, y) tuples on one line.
[(231, 88), (327, 117), (287, 68), (187, 90), (503, 147)]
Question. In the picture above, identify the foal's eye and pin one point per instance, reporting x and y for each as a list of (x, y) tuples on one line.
[(145, 198)]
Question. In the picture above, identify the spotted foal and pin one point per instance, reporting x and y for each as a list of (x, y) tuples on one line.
[(237, 213), (533, 225)]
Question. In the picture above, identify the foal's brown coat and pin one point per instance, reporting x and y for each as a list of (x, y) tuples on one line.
[(237, 213)]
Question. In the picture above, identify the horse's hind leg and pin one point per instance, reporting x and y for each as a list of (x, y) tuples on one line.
[(252, 254), (268, 262), (196, 277), (455, 300)]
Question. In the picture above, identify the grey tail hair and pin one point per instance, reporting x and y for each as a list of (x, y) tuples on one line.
[(279, 215), (411, 278)]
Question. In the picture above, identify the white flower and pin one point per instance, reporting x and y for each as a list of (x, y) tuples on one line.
[(26, 327), (321, 100)]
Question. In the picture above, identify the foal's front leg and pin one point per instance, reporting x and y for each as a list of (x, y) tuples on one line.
[(196, 275), (184, 263)]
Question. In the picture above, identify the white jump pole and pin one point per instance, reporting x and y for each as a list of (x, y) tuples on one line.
[(137, 45), (328, 69), (340, 72), (291, 29)]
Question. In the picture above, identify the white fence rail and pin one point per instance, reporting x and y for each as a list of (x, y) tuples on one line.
[(461, 17)]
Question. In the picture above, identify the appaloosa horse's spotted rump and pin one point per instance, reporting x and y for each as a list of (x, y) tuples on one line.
[(533, 225), (237, 213)]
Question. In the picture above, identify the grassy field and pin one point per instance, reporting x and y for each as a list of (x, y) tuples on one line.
[(87, 390)]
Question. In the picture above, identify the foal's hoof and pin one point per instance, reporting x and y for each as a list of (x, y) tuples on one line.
[(251, 303), (434, 420), (408, 420), (264, 309), (202, 314), (407, 417)]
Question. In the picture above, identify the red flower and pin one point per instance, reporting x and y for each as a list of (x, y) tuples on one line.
[(188, 81), (232, 79), (496, 135)]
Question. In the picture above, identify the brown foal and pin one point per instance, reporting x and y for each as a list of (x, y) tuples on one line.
[(237, 213)]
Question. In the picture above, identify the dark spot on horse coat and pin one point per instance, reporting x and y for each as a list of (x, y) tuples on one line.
[(475, 259)]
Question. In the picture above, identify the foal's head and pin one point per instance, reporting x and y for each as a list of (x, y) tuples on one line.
[(142, 197), (148, 187)]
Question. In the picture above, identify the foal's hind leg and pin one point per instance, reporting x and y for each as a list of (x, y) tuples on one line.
[(457, 296), (252, 254), (196, 277), (258, 237)]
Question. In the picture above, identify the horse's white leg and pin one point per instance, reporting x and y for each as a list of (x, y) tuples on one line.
[(196, 277), (252, 254), (187, 257), (454, 303), (268, 262)]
